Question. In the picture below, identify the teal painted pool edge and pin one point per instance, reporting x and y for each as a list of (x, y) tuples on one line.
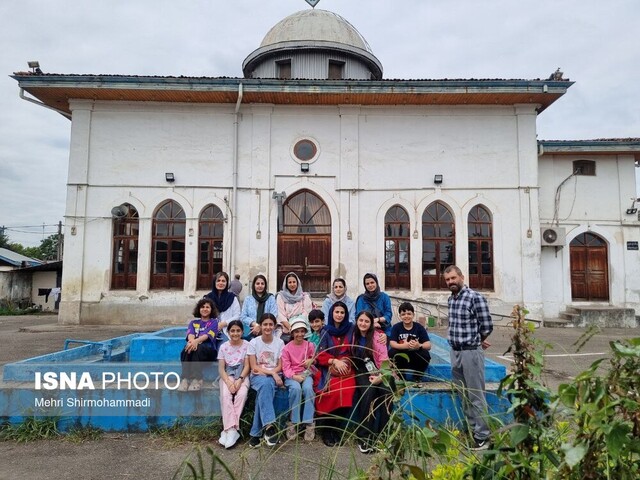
[(143, 353)]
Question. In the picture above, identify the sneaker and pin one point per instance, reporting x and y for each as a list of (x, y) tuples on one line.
[(292, 431), (364, 448), (232, 438), (310, 432), (195, 386), (480, 444), (254, 442), (271, 435), (329, 438), (223, 438), (184, 385)]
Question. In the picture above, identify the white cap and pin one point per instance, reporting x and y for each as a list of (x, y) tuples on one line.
[(299, 322)]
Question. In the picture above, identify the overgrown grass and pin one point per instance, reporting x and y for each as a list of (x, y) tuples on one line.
[(184, 431), (81, 434), (33, 428)]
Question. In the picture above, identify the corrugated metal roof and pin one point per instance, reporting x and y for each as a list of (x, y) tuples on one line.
[(16, 259), (56, 90)]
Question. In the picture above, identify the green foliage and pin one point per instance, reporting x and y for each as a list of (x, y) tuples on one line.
[(606, 412), (201, 467), (190, 431), (33, 428), (7, 307), (81, 434), (47, 250), (589, 429)]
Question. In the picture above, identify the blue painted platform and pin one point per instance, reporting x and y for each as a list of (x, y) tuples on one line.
[(111, 390)]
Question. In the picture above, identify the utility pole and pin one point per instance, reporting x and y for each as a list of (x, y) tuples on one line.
[(59, 246)]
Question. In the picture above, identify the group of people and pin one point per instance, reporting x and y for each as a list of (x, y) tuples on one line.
[(329, 360)]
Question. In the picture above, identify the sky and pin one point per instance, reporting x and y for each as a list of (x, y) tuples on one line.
[(593, 42)]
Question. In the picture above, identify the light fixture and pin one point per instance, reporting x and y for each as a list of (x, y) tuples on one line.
[(304, 167), (169, 177), (34, 65), (633, 210), (437, 179)]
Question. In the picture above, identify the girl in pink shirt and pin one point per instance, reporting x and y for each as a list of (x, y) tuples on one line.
[(297, 359)]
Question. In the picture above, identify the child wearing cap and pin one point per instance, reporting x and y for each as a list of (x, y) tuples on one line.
[(297, 360)]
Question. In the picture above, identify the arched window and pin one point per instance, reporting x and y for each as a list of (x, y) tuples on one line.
[(124, 265), (480, 248), (211, 230), (167, 269), (304, 245), (306, 213), (438, 244), (396, 249)]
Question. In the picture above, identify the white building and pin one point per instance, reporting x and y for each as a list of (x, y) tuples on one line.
[(315, 164)]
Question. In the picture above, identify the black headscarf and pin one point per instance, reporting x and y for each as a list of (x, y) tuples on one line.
[(344, 327), (223, 299), (261, 300)]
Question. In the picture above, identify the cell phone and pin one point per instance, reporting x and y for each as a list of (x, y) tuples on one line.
[(411, 337)]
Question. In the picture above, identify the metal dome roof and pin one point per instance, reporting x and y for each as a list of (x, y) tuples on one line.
[(318, 25), (313, 29)]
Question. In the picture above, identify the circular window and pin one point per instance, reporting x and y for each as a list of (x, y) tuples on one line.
[(305, 150)]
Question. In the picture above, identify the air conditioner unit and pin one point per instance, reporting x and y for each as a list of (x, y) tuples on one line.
[(552, 236)]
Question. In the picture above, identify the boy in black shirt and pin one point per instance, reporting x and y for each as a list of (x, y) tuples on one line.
[(412, 339)]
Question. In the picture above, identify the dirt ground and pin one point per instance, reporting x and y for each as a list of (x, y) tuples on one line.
[(124, 456)]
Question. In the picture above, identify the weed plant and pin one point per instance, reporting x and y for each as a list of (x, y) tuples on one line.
[(31, 429)]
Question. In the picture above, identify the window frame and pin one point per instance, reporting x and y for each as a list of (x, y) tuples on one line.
[(125, 244)]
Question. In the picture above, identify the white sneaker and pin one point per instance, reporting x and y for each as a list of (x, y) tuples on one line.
[(232, 437), (223, 438)]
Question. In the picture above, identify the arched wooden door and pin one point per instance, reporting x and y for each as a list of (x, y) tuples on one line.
[(589, 268), (304, 245)]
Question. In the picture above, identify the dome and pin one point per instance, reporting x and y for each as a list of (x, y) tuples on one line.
[(318, 25), (308, 31)]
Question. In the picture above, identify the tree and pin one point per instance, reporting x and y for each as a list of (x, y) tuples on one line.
[(4, 239), (49, 248)]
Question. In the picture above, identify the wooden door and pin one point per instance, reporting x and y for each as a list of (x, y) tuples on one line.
[(309, 257), (589, 268)]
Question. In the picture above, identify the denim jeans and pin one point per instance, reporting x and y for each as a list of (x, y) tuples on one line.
[(265, 387), (296, 391)]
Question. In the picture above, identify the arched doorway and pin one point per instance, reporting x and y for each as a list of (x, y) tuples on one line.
[(304, 245), (589, 268)]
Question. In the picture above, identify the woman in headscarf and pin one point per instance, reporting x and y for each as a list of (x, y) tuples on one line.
[(292, 301), (335, 381), (225, 301), (255, 305), (376, 302), (339, 294)]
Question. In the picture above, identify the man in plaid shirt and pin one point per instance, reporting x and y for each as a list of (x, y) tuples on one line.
[(469, 326)]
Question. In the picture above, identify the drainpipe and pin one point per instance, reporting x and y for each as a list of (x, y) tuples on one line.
[(234, 195), (61, 112)]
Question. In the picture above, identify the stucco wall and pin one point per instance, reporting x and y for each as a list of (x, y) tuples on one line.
[(43, 280), (15, 287), (370, 159)]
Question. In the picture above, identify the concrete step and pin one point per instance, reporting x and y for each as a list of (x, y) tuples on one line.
[(558, 323), (572, 317)]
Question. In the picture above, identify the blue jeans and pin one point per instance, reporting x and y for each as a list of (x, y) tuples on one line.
[(296, 391), (265, 387)]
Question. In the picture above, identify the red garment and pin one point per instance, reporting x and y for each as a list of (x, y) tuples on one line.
[(338, 391)]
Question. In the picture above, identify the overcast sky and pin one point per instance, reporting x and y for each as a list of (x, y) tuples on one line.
[(594, 42)]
